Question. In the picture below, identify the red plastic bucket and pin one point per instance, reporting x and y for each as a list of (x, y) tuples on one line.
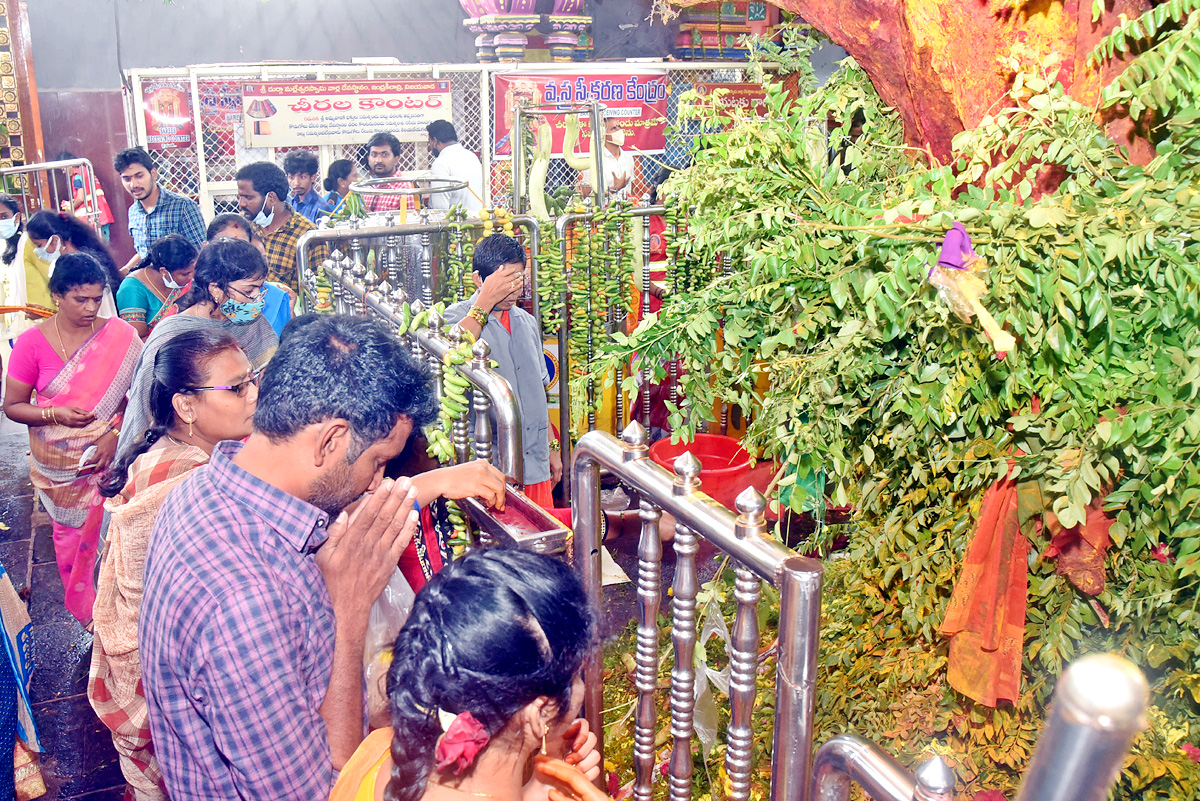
[(724, 466)]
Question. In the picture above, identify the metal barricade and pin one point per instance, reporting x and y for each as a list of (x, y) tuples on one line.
[(355, 292), (758, 558), (41, 186), (383, 234), (1098, 707)]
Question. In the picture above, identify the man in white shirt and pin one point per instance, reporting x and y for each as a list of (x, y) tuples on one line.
[(619, 168), (455, 162)]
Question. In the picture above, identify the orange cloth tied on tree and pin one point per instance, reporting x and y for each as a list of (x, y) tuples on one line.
[(986, 614), (985, 618)]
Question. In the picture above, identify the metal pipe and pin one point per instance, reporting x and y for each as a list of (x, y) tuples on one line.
[(799, 585), (649, 596), (683, 637), (1098, 708), (509, 453), (849, 758), (516, 137), (599, 179)]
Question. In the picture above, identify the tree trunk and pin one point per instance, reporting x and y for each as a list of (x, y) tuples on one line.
[(935, 60)]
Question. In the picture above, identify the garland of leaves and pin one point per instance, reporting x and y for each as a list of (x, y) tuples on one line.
[(873, 379)]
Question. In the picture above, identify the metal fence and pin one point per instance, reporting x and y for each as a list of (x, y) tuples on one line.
[(205, 170), (50, 185), (1098, 707)]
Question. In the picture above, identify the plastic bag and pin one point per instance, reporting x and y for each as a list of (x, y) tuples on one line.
[(388, 614)]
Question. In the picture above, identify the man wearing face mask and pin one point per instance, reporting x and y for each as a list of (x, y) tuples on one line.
[(455, 162), (619, 168), (262, 187)]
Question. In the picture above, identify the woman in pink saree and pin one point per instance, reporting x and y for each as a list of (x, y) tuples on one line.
[(67, 381)]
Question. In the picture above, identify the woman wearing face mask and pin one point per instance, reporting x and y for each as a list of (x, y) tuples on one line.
[(619, 168), (54, 234), (203, 390), (485, 682), (80, 365), (226, 295), (149, 295), (12, 272)]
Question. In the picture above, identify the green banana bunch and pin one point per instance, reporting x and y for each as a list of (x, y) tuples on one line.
[(460, 540), (552, 279)]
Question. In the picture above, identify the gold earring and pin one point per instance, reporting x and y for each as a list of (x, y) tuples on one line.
[(190, 428)]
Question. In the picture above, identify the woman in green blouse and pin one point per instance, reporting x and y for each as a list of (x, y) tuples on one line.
[(149, 294)]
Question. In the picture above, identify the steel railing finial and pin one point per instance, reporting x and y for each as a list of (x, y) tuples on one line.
[(935, 781), (687, 472)]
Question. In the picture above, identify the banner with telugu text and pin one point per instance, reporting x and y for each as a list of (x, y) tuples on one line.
[(294, 113), (637, 99)]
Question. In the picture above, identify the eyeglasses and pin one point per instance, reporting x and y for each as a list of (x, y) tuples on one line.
[(255, 298), (238, 389)]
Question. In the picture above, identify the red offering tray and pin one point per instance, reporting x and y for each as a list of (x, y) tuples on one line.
[(523, 524)]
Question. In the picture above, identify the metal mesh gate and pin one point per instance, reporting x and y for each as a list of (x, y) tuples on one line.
[(205, 171)]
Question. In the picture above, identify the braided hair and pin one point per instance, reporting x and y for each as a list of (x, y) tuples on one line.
[(180, 364), (490, 634)]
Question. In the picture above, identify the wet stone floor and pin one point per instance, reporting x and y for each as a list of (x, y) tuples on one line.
[(78, 760)]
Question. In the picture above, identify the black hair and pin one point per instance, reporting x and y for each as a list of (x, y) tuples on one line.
[(348, 367), (384, 138), (494, 252), (10, 244), (223, 221), (489, 634), (338, 171), (222, 262), (74, 270), (180, 364), (81, 236), (659, 180), (171, 252), (301, 161), (130, 156), (442, 130), (265, 177), (297, 323)]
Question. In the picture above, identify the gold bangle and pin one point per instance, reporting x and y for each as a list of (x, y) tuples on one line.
[(478, 315), (53, 416)]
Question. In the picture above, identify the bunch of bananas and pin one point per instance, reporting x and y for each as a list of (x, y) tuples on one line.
[(552, 279), (455, 403), (409, 321), (457, 259), (351, 207), (460, 539), (324, 303)]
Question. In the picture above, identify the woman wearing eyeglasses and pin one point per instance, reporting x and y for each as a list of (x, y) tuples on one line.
[(203, 390), (226, 295)]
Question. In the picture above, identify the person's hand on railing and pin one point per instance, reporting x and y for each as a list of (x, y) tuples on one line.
[(566, 782), (475, 479)]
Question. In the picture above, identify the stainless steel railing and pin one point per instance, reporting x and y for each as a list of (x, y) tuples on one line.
[(385, 236), (38, 186), (1097, 709), (353, 294), (757, 558)]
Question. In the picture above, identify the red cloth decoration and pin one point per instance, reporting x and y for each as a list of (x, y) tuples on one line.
[(463, 740)]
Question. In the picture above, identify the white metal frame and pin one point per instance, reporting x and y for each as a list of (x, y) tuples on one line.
[(208, 190)]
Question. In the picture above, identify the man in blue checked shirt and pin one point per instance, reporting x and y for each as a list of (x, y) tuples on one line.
[(259, 584), (303, 170), (156, 211)]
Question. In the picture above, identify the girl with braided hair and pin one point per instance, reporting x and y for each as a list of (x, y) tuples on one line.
[(486, 681)]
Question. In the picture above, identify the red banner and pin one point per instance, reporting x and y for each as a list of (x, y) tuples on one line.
[(637, 99), (167, 104)]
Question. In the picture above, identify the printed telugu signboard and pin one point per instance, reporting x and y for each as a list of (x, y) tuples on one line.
[(292, 113), (749, 97), (637, 99), (167, 105)]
